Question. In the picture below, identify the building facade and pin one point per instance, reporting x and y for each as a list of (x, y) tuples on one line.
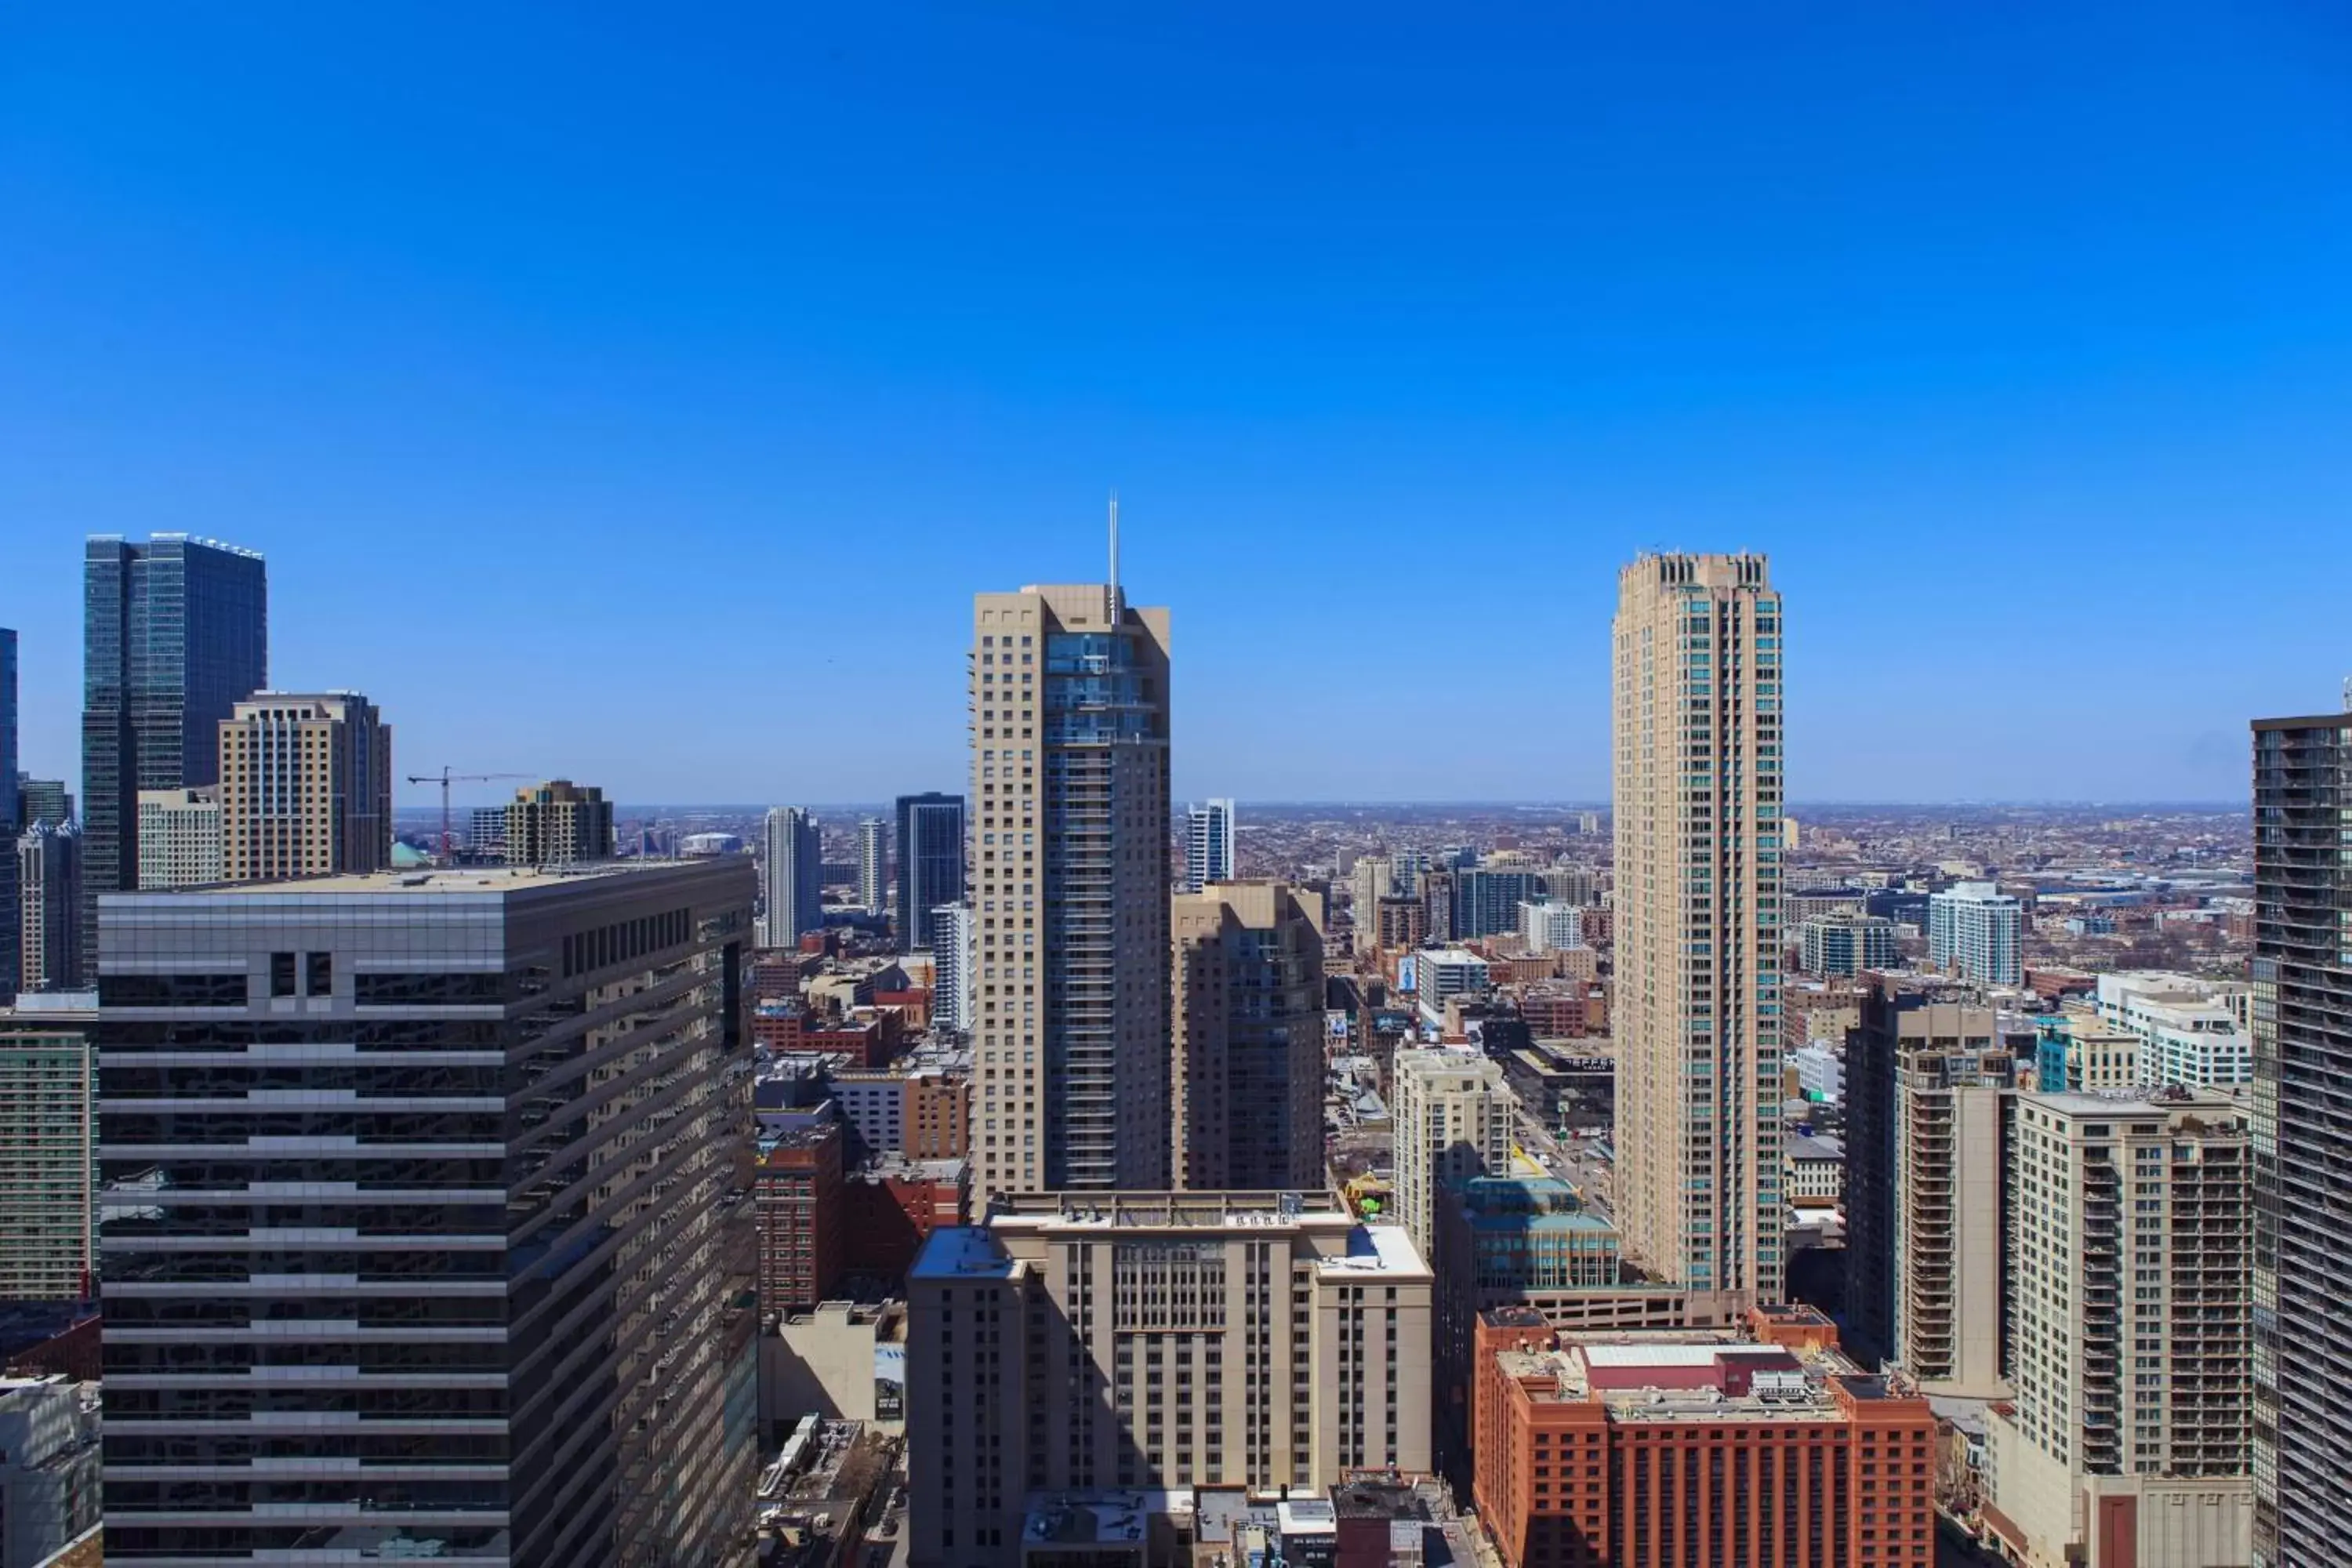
[(487, 1160), (2302, 1059), (1846, 944), (1248, 1013), (2129, 1440), (43, 800), (803, 1200), (1208, 845), (48, 1152), (179, 839), (1972, 931), (49, 905), (1069, 782), (1372, 880), (1451, 1113), (305, 787), (873, 865), (1548, 927), (930, 862), (955, 1000), (1156, 1339), (12, 819), (49, 1469), (1696, 731), (175, 634), (2188, 1029), (791, 876), (558, 823)]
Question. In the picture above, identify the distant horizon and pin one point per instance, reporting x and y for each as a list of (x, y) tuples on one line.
[(1243, 805)]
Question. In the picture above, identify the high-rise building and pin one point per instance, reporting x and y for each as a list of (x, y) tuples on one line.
[(42, 800), (800, 1197), (1155, 1340), (49, 1148), (10, 818), (1547, 926), (50, 1465), (1375, 880), (1249, 1011), (873, 865), (791, 872), (179, 838), (1972, 931), (50, 904), (1452, 1113), (1208, 845), (559, 822), (1486, 898), (1069, 779), (1846, 944), (953, 999), (2130, 1438), (306, 789), (2303, 1060), (486, 832), (930, 862), (1696, 810), (489, 1164), (1928, 1088), (175, 634)]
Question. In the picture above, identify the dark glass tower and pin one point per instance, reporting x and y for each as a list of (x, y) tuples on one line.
[(930, 862), (10, 814), (176, 633), (2302, 1140)]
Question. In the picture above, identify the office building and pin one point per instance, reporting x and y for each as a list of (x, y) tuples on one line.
[(1696, 731), (179, 839), (2187, 1029), (1442, 974), (50, 1467), (1248, 1013), (873, 865), (955, 1000), (12, 820), (488, 1163), (791, 876), (49, 905), (1929, 1086), (1155, 1340), (1839, 945), (1662, 1449), (2130, 1438), (306, 789), (2303, 1060), (1451, 1113), (1547, 927), (1069, 778), (1373, 879), (49, 1147), (175, 634), (1208, 845), (1972, 931), (930, 862), (558, 823), (802, 1197), (1487, 900), (42, 800), (486, 833)]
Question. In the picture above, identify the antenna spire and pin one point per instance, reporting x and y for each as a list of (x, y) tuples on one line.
[(1110, 596)]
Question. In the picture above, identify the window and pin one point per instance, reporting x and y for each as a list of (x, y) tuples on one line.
[(320, 981), (281, 974)]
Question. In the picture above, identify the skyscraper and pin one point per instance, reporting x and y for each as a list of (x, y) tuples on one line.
[(930, 862), (49, 900), (1697, 809), (1208, 845), (305, 787), (1248, 1013), (2303, 1146), (11, 810), (176, 633), (179, 839), (558, 823), (521, 1248), (791, 872), (1069, 775), (873, 865), (1453, 1120), (42, 800), (1972, 931), (949, 928), (49, 1147)]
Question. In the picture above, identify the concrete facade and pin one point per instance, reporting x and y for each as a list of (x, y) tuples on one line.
[(1452, 1111), (558, 823), (179, 839), (1247, 968), (48, 1162), (305, 787)]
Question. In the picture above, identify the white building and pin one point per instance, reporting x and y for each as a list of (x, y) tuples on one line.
[(952, 992), (1452, 1114), (1447, 973), (873, 865), (1972, 931), (179, 838), (1548, 927), (1208, 844), (1821, 1072), (2190, 1031)]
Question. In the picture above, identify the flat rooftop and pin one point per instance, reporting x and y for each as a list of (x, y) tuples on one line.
[(422, 883), (1696, 1376)]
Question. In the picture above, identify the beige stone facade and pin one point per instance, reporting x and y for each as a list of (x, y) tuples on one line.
[(1698, 749), (1248, 1013), (558, 823), (305, 787), (1452, 1114), (179, 838)]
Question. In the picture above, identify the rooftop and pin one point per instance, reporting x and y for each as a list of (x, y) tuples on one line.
[(1692, 1375), (475, 879)]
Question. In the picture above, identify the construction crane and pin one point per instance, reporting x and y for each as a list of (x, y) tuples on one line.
[(444, 778)]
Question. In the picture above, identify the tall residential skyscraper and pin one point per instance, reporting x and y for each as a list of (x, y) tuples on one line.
[(179, 839), (48, 1160), (1069, 775), (305, 787), (1697, 816), (930, 862), (1453, 1120), (176, 633), (2303, 1142), (873, 865), (1972, 931), (792, 872), (11, 817), (950, 940), (488, 1165), (558, 823), (1248, 1011), (1375, 879), (1208, 844), (49, 901)]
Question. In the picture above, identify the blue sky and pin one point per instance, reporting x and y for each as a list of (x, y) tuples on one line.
[(639, 393)]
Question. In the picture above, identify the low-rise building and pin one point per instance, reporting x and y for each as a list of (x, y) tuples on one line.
[(2190, 1031)]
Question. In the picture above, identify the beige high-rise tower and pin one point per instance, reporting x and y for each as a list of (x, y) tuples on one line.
[(1248, 1016), (305, 787), (1698, 1007), (559, 822), (1069, 872)]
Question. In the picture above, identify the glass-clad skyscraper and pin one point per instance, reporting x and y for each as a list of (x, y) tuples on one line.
[(176, 633), (11, 810), (930, 862)]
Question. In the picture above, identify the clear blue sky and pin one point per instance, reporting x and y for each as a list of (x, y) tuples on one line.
[(638, 392)]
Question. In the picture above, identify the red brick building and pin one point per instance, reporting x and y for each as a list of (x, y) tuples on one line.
[(800, 1191), (895, 1207)]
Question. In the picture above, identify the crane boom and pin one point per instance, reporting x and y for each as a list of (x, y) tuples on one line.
[(444, 778)]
